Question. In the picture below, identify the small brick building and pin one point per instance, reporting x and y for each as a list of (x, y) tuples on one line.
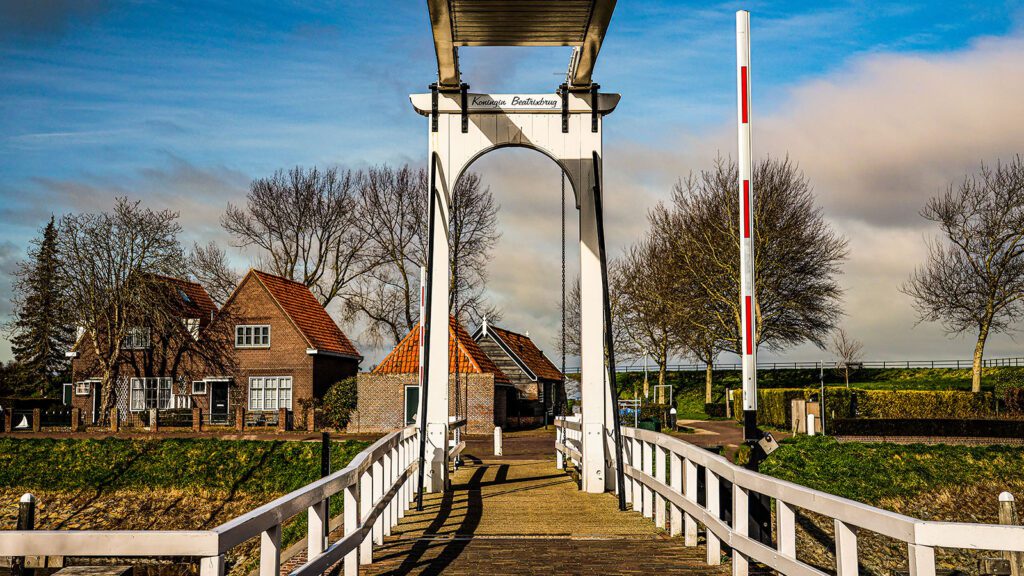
[(389, 396), (533, 375), (286, 351)]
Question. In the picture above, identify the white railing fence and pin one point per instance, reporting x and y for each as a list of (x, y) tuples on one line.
[(568, 441), (661, 483), (457, 443), (378, 486)]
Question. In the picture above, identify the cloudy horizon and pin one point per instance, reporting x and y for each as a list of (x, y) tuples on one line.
[(881, 107)]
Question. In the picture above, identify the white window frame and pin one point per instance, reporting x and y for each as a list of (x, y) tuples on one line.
[(252, 336), (84, 387), (199, 390), (137, 338), (148, 393), (270, 393)]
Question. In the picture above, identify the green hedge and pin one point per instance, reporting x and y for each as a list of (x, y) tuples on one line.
[(774, 405)]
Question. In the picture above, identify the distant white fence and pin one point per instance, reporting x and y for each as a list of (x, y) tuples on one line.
[(958, 364), (378, 486), (661, 483)]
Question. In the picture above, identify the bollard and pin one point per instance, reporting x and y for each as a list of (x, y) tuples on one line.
[(239, 418), (9, 420), (810, 424), (282, 419), (76, 420), (497, 440), (197, 420), (154, 420), (115, 420), (26, 521), (1008, 516), (37, 419)]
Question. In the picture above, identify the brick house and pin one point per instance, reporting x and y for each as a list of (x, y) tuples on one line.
[(389, 396), (285, 350), (155, 368), (288, 350), (529, 370)]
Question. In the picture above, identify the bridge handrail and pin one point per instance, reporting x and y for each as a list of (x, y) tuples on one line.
[(376, 495), (568, 440), (661, 473)]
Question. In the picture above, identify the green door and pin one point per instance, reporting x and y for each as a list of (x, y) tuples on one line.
[(412, 404)]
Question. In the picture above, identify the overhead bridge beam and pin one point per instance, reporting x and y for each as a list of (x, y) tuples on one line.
[(578, 23)]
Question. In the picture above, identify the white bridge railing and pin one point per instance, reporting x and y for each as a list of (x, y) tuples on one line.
[(661, 483), (378, 486), (568, 441)]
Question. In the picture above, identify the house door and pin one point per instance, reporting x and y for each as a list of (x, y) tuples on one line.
[(412, 404), (219, 402), (96, 394)]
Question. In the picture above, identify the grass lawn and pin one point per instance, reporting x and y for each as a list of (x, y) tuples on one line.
[(930, 482), (170, 484)]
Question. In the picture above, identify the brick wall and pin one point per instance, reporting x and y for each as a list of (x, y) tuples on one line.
[(381, 403)]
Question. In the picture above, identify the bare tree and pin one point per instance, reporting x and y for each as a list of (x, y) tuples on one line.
[(848, 351), (643, 285), (111, 264), (209, 265), (308, 227), (796, 258), (974, 280), (396, 216)]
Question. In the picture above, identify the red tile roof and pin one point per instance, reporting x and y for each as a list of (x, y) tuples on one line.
[(315, 324), (526, 352), (405, 358), (196, 302)]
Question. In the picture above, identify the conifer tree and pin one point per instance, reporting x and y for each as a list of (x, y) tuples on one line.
[(41, 330)]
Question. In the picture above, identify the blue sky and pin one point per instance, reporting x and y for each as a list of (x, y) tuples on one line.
[(181, 104)]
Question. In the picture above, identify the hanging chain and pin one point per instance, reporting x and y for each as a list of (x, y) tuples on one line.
[(562, 401)]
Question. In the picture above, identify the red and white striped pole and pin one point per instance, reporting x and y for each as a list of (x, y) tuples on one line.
[(746, 193)]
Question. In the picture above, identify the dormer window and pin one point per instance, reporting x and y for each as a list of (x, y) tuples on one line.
[(137, 338), (252, 336)]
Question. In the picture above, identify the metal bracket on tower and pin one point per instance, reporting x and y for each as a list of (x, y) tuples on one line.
[(563, 91), (593, 107), (433, 107), (465, 106)]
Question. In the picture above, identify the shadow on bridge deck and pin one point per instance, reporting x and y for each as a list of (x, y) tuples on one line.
[(524, 516)]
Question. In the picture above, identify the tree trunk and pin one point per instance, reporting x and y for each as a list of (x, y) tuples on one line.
[(979, 355), (846, 374), (707, 383)]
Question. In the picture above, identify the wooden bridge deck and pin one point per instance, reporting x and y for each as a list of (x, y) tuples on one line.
[(523, 516)]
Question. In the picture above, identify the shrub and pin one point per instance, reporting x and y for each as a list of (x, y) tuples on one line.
[(1015, 401), (941, 427), (338, 403), (774, 405)]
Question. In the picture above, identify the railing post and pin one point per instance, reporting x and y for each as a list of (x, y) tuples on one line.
[(638, 489), (316, 536), (785, 528), (402, 466), (365, 504), (559, 440), (740, 527), (659, 475), (675, 471), (690, 492), (714, 545), (386, 482), (270, 551), (211, 566), (395, 474), (648, 463), (846, 549), (921, 560), (350, 515), (378, 491)]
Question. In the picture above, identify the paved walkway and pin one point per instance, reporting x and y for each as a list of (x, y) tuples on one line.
[(523, 516)]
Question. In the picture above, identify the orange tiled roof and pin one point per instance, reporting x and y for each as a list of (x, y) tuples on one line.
[(405, 358), (195, 300), (527, 353), (315, 324)]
